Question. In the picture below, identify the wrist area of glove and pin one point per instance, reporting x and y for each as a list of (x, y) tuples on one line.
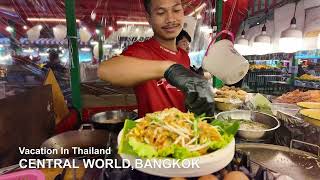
[(181, 77)]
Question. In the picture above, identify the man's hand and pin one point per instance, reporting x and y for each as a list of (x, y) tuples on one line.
[(199, 98)]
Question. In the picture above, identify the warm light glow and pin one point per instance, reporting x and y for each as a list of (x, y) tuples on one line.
[(49, 20), (97, 31), (132, 23), (94, 43), (108, 46), (199, 16), (243, 49), (25, 27), (44, 54), (40, 27), (318, 42), (214, 10), (290, 44), (110, 28), (9, 29), (28, 50), (261, 48), (86, 49), (84, 28), (206, 29)]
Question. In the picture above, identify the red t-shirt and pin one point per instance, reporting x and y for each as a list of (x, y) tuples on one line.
[(152, 95)]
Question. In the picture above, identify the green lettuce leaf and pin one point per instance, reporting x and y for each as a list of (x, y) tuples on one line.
[(142, 149), (226, 139), (133, 147), (183, 153), (166, 151), (124, 146), (225, 127)]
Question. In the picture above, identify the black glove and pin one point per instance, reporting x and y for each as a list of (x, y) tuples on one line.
[(197, 71), (199, 98)]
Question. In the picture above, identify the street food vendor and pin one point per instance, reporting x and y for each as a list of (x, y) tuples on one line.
[(159, 70)]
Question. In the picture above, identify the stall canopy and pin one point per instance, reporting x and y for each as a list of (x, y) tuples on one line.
[(25, 14)]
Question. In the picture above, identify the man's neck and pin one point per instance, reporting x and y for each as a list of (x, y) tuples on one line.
[(168, 44)]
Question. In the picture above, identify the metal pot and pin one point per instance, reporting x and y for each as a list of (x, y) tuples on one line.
[(112, 120), (83, 138), (252, 134)]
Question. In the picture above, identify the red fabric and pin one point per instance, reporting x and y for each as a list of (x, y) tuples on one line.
[(150, 96), (240, 13), (68, 123)]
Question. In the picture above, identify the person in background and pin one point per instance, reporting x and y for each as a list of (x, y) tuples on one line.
[(183, 41), (54, 62), (301, 71), (60, 72), (157, 69)]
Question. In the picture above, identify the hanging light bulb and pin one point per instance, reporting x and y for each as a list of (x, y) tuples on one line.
[(262, 42), (9, 29), (242, 44), (291, 38)]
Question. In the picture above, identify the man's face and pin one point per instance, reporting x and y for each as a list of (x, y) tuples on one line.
[(184, 44), (166, 18)]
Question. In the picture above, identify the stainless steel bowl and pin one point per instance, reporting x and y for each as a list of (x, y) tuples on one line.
[(252, 134)]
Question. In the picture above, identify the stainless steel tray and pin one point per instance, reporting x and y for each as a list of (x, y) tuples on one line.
[(297, 164)]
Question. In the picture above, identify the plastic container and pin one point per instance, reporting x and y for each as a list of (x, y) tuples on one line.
[(24, 175), (290, 109)]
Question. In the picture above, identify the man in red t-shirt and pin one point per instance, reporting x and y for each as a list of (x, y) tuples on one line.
[(157, 69)]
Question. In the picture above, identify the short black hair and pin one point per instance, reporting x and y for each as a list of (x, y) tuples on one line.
[(53, 54), (147, 6), (183, 34)]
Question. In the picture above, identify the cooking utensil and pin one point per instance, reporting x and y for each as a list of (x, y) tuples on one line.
[(252, 134), (284, 160), (83, 138), (208, 163), (112, 120)]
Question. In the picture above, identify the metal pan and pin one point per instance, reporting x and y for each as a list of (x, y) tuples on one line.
[(83, 138), (112, 120), (286, 161)]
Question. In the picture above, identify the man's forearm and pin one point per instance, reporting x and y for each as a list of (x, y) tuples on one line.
[(129, 71)]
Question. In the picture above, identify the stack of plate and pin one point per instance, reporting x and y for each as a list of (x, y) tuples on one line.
[(310, 112)]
